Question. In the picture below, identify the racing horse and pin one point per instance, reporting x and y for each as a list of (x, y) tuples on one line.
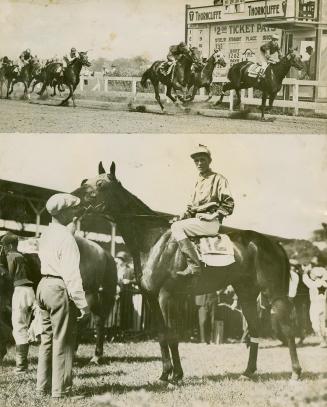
[(177, 78), (202, 77), (99, 276), (261, 265), (26, 76), (270, 84), (41, 76), (70, 76), (8, 73)]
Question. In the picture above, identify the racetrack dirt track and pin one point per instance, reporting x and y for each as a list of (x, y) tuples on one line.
[(21, 116)]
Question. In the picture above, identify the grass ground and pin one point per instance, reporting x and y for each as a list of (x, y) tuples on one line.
[(212, 378)]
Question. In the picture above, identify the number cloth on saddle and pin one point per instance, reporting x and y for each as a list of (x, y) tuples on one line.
[(167, 67), (254, 69), (214, 250)]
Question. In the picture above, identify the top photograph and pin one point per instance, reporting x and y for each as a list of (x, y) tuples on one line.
[(151, 66)]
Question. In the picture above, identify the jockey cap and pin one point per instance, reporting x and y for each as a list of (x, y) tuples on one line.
[(59, 202), (73, 49), (201, 149)]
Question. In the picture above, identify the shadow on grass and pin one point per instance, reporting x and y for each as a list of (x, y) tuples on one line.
[(106, 360), (116, 388), (97, 374), (264, 377)]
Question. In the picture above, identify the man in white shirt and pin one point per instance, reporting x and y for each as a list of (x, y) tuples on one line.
[(60, 294)]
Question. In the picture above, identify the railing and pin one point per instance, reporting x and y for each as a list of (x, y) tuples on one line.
[(96, 84)]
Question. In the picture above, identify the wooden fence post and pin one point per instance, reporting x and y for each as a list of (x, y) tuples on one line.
[(134, 88), (231, 99), (296, 98)]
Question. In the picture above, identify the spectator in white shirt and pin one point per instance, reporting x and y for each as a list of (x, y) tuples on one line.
[(316, 280), (60, 294)]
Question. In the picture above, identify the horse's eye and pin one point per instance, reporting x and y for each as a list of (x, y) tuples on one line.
[(100, 183)]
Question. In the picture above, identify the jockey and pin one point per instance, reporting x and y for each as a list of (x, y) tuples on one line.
[(25, 57), (68, 59), (267, 51), (175, 51), (211, 202), (6, 61)]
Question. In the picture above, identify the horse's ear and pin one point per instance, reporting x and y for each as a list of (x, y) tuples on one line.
[(84, 182), (101, 170), (113, 169)]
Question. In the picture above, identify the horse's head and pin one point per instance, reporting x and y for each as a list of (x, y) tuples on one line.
[(294, 59), (103, 193), (219, 58), (83, 57)]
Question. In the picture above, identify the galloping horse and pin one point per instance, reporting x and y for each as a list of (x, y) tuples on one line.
[(70, 78), (99, 276), (26, 75), (261, 266), (270, 85), (8, 73), (177, 79), (202, 77)]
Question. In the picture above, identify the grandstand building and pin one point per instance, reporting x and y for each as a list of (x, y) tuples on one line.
[(239, 27)]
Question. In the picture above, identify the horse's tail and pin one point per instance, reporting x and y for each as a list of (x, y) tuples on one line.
[(145, 78)]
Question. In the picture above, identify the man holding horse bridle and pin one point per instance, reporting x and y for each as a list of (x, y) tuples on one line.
[(267, 50), (60, 294), (211, 203)]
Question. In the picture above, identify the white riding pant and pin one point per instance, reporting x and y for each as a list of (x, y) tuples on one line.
[(22, 303), (317, 315), (191, 227)]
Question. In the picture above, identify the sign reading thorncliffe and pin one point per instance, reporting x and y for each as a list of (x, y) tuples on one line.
[(249, 10)]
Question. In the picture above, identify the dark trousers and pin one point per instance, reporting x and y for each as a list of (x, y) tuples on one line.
[(206, 321)]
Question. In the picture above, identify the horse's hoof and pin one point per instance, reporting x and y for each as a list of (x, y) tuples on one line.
[(296, 376)]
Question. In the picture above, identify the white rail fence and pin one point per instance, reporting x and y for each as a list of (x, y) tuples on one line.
[(98, 84)]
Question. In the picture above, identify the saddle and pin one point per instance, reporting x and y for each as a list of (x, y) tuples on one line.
[(166, 68), (254, 70), (214, 250)]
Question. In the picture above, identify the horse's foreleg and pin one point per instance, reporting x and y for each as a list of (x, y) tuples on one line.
[(157, 94), (238, 95), (281, 310), (11, 87), (65, 101), (99, 329), (209, 92), (168, 93), (44, 86), (263, 105), (271, 100), (226, 87)]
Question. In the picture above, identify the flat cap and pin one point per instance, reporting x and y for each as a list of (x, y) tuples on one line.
[(201, 149), (123, 256), (59, 202), (9, 238)]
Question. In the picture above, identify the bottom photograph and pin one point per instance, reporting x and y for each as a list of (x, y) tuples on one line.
[(163, 270)]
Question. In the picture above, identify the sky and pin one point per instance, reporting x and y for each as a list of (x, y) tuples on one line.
[(278, 181), (107, 28)]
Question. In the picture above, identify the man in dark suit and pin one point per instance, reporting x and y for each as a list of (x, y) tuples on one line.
[(207, 304)]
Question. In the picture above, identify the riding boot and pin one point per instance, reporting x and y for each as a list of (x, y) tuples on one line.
[(193, 262), (21, 358)]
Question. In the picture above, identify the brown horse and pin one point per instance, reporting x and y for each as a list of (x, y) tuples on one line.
[(270, 85), (26, 76), (261, 265), (177, 79), (202, 77), (70, 76), (99, 276), (8, 73)]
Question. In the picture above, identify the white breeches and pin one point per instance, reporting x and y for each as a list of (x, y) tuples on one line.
[(317, 315), (194, 227), (22, 303)]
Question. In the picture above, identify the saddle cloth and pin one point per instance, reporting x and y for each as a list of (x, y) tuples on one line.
[(254, 70), (215, 250), (166, 67)]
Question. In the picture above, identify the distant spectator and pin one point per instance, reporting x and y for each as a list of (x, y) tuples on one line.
[(311, 63), (316, 280), (207, 306), (126, 278)]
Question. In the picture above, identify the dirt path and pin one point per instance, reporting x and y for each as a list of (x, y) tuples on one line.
[(99, 117)]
